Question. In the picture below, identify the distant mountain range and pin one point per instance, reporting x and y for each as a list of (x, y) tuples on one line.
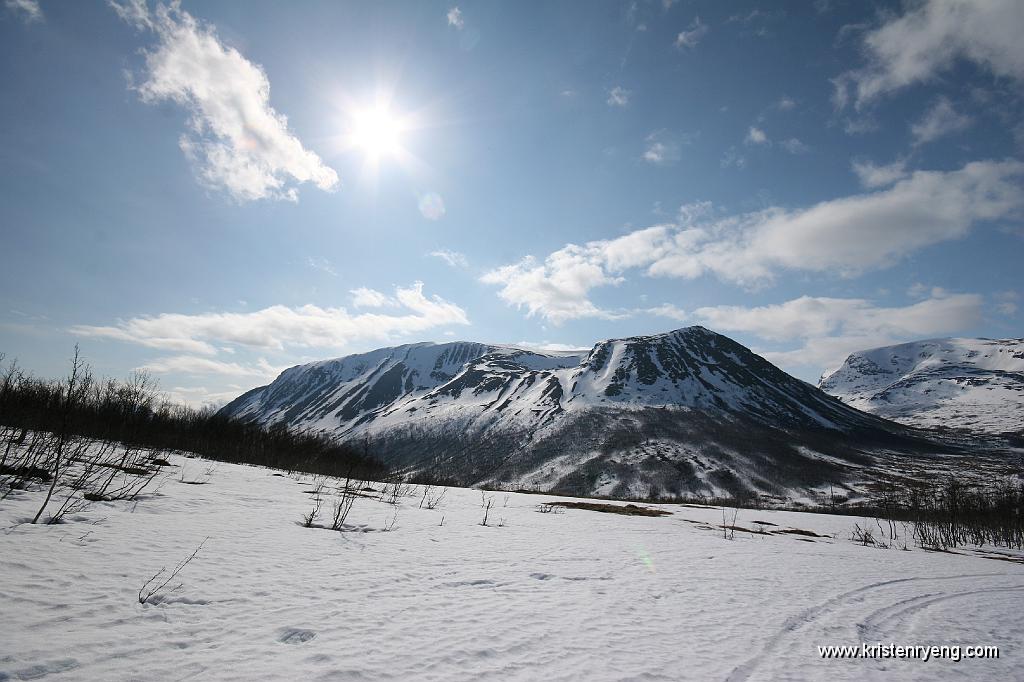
[(687, 412), (970, 384)]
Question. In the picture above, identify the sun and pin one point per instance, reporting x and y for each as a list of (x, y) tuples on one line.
[(378, 132)]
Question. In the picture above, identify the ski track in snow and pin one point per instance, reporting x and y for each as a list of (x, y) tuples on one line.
[(577, 595)]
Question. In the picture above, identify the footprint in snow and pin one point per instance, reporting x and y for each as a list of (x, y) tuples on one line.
[(295, 635)]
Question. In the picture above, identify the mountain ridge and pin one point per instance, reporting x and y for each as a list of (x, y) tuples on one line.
[(973, 384), (687, 411)]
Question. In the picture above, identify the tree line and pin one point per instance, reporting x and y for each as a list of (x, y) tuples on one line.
[(134, 413)]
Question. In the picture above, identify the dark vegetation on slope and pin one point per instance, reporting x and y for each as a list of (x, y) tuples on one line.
[(132, 413)]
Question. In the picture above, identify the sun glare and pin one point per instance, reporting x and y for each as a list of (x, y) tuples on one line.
[(378, 132)]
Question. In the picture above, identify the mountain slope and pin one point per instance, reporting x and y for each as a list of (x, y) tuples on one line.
[(689, 411), (972, 384)]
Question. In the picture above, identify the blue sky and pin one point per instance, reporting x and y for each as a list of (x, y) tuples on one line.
[(215, 191)]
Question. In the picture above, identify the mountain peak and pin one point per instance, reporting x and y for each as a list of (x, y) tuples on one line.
[(975, 384)]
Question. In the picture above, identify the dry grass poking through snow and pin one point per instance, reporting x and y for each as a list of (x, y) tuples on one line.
[(624, 509)]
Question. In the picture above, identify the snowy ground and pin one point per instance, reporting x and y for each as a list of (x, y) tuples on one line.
[(578, 595)]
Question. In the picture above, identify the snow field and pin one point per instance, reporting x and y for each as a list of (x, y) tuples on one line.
[(577, 595)]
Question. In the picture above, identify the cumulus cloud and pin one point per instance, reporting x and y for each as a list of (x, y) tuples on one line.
[(28, 10), (847, 236), (618, 97), (279, 327), (930, 38), (453, 259), (941, 119), (237, 142), (556, 289), (692, 35), (829, 329), (455, 18)]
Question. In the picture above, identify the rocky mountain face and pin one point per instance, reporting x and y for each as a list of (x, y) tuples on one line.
[(685, 412), (970, 384)]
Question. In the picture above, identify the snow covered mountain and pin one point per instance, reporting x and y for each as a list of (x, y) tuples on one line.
[(971, 384), (689, 411)]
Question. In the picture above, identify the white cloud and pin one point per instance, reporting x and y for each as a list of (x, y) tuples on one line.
[(1006, 302), (756, 136), (200, 366), (200, 396), (733, 158), (940, 119), (662, 148), (668, 310), (872, 176), (279, 327), (371, 298), (28, 10), (847, 236), (785, 104), (548, 346), (452, 258), (794, 146), (854, 233), (689, 37), (322, 264), (236, 140), (829, 329), (929, 38), (618, 97), (455, 18), (556, 289)]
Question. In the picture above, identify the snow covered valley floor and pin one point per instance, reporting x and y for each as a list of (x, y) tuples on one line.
[(570, 595)]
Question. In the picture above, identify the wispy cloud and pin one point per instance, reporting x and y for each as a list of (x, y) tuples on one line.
[(928, 39), (941, 119), (872, 176), (618, 97), (662, 148), (280, 327), (785, 104), (28, 10), (668, 310), (452, 258), (692, 34), (455, 18), (732, 157), (202, 366), (794, 146), (829, 329), (236, 140), (322, 264)]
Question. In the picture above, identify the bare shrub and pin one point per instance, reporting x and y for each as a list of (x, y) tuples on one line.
[(488, 503), (152, 587), (434, 498), (309, 519)]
